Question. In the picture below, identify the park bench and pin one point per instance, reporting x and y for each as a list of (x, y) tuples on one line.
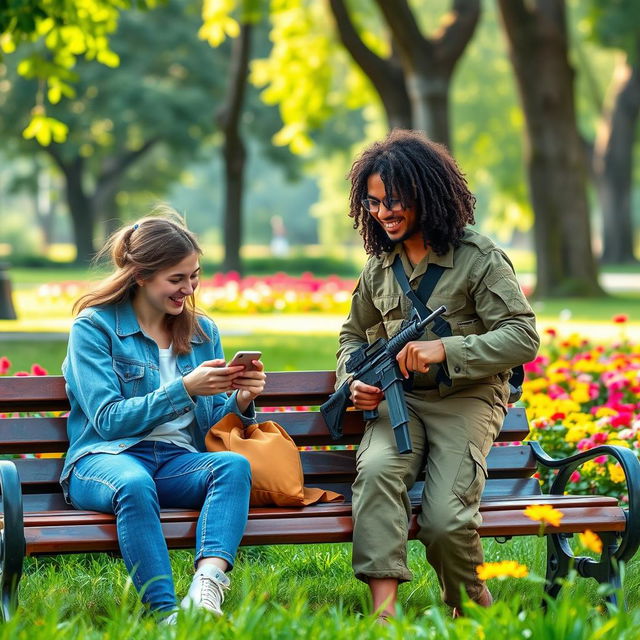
[(37, 521)]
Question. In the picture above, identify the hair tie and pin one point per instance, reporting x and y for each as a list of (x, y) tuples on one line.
[(135, 226)]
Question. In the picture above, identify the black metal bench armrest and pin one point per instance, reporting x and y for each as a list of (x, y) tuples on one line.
[(13, 543), (631, 467)]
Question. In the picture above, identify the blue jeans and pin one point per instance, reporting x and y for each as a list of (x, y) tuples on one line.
[(136, 483)]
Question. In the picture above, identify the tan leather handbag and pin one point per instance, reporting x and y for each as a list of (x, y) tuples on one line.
[(276, 471)]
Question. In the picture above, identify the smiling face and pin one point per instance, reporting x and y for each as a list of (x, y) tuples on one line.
[(167, 290), (398, 225)]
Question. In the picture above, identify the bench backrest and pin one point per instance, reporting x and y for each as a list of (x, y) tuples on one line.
[(290, 398)]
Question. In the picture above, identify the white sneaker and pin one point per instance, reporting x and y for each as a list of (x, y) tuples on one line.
[(207, 590), (170, 620)]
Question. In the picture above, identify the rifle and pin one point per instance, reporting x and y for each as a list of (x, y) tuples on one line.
[(376, 365)]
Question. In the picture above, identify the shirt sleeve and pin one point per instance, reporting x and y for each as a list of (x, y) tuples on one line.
[(99, 393), (362, 315), (511, 338)]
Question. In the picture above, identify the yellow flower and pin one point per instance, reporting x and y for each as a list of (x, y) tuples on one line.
[(615, 472), (505, 569), (575, 434), (605, 411), (544, 513), (580, 394), (591, 541)]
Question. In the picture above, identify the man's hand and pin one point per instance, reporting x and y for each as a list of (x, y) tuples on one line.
[(418, 355), (364, 396)]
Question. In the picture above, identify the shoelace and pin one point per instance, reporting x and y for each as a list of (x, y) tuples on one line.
[(211, 593)]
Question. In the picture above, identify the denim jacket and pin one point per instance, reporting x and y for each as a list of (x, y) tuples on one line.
[(113, 383)]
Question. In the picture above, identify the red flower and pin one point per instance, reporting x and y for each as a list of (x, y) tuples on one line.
[(37, 370), (558, 416), (5, 365), (21, 373), (575, 477), (622, 420), (620, 318), (550, 331)]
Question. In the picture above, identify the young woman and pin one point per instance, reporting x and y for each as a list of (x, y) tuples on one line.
[(146, 378)]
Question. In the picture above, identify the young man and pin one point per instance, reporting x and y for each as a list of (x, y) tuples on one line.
[(412, 204)]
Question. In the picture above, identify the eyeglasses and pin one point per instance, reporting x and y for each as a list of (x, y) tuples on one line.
[(372, 205)]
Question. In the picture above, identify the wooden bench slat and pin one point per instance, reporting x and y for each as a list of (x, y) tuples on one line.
[(33, 435), (317, 528), (525, 488), (33, 393), (80, 517), (40, 475), (307, 428)]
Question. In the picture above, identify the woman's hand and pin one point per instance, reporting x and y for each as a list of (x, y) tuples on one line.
[(250, 384), (211, 377), (364, 396), (419, 354)]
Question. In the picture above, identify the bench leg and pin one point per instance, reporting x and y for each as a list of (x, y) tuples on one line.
[(12, 543), (559, 559), (607, 569)]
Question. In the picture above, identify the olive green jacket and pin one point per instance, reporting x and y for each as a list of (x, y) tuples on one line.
[(493, 326)]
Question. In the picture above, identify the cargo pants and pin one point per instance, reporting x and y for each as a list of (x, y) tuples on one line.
[(451, 437)]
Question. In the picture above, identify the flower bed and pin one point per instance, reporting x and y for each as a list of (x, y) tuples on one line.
[(223, 293), (579, 395)]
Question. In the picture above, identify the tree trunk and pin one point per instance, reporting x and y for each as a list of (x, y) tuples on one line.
[(108, 212), (613, 164), (537, 35), (234, 149), (429, 95), (44, 209), (385, 74), (429, 63), (80, 206)]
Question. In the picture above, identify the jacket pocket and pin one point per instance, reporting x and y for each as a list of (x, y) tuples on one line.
[(390, 308), (471, 477), (130, 373), (503, 284)]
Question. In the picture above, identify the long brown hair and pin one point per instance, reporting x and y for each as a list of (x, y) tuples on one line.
[(425, 176), (138, 251)]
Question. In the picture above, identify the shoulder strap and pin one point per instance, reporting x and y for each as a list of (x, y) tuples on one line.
[(420, 298), (428, 283)]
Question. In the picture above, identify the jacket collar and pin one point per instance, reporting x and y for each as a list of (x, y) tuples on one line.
[(445, 260), (127, 323)]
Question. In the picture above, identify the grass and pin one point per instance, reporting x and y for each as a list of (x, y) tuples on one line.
[(279, 352), (587, 310), (302, 591)]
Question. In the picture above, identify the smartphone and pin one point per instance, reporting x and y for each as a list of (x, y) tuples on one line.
[(245, 358)]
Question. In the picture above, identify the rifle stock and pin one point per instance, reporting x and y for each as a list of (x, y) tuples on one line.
[(333, 410)]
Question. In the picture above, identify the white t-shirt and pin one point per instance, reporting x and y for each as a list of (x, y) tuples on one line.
[(174, 431)]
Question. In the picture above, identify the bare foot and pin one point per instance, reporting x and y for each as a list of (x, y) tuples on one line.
[(485, 600)]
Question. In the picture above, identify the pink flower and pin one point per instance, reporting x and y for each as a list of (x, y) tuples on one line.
[(37, 370), (600, 459), (5, 365), (623, 419), (575, 477), (21, 373)]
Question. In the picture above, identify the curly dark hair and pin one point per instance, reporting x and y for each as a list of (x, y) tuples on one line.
[(422, 174)]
